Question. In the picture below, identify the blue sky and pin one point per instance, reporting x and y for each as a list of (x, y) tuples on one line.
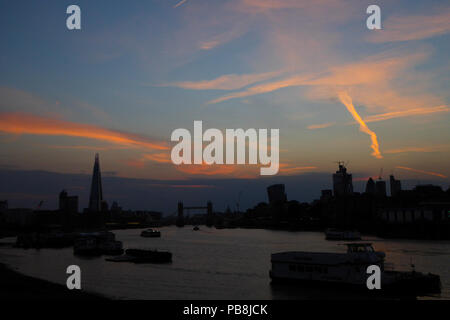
[(141, 69)]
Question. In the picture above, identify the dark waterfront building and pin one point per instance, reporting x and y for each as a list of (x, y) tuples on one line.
[(380, 188), (68, 203), (276, 193), (68, 208), (342, 182), (370, 186), (326, 194), (425, 220), (396, 186), (180, 217), (3, 205), (96, 196), (428, 190)]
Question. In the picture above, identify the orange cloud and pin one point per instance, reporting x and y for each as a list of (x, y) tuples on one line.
[(158, 157), (136, 163), (406, 28), (320, 126), (208, 170), (287, 169), (347, 101), (155, 157), (192, 186), (416, 149), (97, 148), (422, 171), (24, 123)]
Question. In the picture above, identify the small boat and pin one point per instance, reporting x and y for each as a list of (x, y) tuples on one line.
[(348, 270), (348, 235), (111, 248), (196, 228), (143, 256), (151, 233)]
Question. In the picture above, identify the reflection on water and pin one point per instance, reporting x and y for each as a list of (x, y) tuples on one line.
[(216, 264)]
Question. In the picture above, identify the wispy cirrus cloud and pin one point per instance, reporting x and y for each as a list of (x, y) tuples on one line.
[(225, 82), (222, 38), (209, 170), (158, 157), (431, 173), (163, 157), (82, 147), (289, 169), (263, 6), (413, 27), (264, 88), (179, 4), (390, 115), (321, 126), (25, 123), (417, 149), (407, 113), (371, 81)]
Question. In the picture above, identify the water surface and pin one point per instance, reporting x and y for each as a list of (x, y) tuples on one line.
[(216, 264)]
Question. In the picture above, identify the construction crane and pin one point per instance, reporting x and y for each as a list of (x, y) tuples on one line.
[(39, 205), (342, 163)]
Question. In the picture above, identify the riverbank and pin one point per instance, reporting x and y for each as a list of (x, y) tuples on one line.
[(16, 286)]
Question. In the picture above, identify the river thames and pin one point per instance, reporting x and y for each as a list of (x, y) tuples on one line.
[(216, 264)]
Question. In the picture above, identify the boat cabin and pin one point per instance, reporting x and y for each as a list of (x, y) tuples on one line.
[(359, 247)]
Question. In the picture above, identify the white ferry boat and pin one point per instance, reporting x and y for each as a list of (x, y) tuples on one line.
[(347, 269)]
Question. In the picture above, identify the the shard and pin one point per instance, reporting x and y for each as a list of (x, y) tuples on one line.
[(96, 196)]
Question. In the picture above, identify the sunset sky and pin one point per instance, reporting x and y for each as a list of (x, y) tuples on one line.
[(140, 69)]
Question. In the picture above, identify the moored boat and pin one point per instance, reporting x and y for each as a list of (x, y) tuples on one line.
[(151, 233), (348, 270), (143, 256)]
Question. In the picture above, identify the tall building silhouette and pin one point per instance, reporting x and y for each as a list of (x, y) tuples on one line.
[(96, 196), (380, 188), (342, 181), (396, 186), (276, 193), (370, 186), (68, 204)]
